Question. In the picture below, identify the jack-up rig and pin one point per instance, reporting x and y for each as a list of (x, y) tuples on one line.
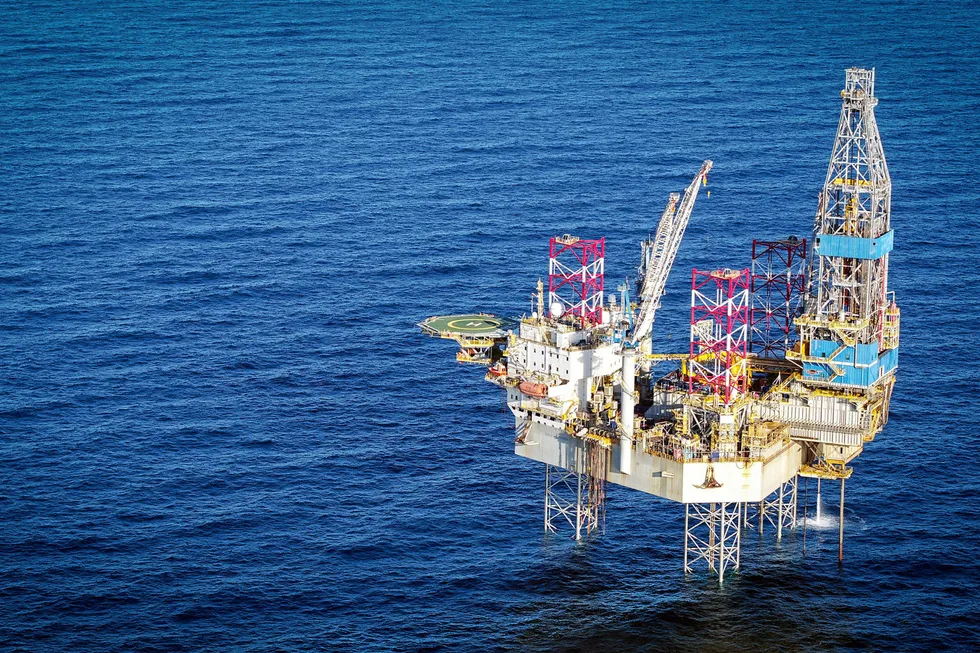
[(789, 371)]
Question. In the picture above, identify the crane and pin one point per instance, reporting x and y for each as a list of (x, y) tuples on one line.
[(658, 258), (659, 254)]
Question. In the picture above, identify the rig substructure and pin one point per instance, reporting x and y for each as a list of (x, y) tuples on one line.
[(788, 374)]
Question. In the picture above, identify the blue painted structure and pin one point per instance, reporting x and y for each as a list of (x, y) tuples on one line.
[(853, 247), (862, 365)]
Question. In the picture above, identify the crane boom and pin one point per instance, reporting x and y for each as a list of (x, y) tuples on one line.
[(658, 256), (648, 244)]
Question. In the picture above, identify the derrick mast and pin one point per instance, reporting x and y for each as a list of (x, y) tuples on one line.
[(848, 331), (848, 347)]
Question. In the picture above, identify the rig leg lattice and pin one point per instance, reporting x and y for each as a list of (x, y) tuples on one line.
[(711, 535), (578, 498)]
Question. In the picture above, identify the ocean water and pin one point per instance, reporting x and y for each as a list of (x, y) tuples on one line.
[(220, 222)]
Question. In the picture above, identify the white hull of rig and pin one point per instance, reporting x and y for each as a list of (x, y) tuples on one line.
[(681, 481)]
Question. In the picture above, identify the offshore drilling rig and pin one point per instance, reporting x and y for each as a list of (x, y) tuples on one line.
[(788, 373)]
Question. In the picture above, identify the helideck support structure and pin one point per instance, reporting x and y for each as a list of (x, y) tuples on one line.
[(576, 274)]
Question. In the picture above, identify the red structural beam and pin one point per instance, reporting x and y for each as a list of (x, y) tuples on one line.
[(576, 277), (718, 349)]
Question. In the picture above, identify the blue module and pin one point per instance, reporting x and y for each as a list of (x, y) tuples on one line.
[(862, 365)]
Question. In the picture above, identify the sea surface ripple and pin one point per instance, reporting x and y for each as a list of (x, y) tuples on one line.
[(220, 222)]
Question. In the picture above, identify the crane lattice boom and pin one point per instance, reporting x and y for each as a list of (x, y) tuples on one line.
[(658, 256)]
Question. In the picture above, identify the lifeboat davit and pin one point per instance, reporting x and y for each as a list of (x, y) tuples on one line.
[(539, 390)]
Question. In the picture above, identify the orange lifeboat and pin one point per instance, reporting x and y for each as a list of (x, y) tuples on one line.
[(538, 390)]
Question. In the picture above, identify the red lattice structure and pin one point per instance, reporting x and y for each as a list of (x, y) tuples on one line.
[(576, 274), (720, 313), (778, 281)]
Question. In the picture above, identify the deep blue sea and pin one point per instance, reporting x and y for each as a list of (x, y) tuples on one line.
[(220, 429)]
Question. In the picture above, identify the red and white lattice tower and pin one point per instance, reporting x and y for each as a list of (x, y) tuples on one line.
[(575, 278), (778, 282), (720, 312)]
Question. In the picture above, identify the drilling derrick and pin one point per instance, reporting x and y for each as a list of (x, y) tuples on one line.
[(788, 372), (848, 346), (849, 330), (847, 299)]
